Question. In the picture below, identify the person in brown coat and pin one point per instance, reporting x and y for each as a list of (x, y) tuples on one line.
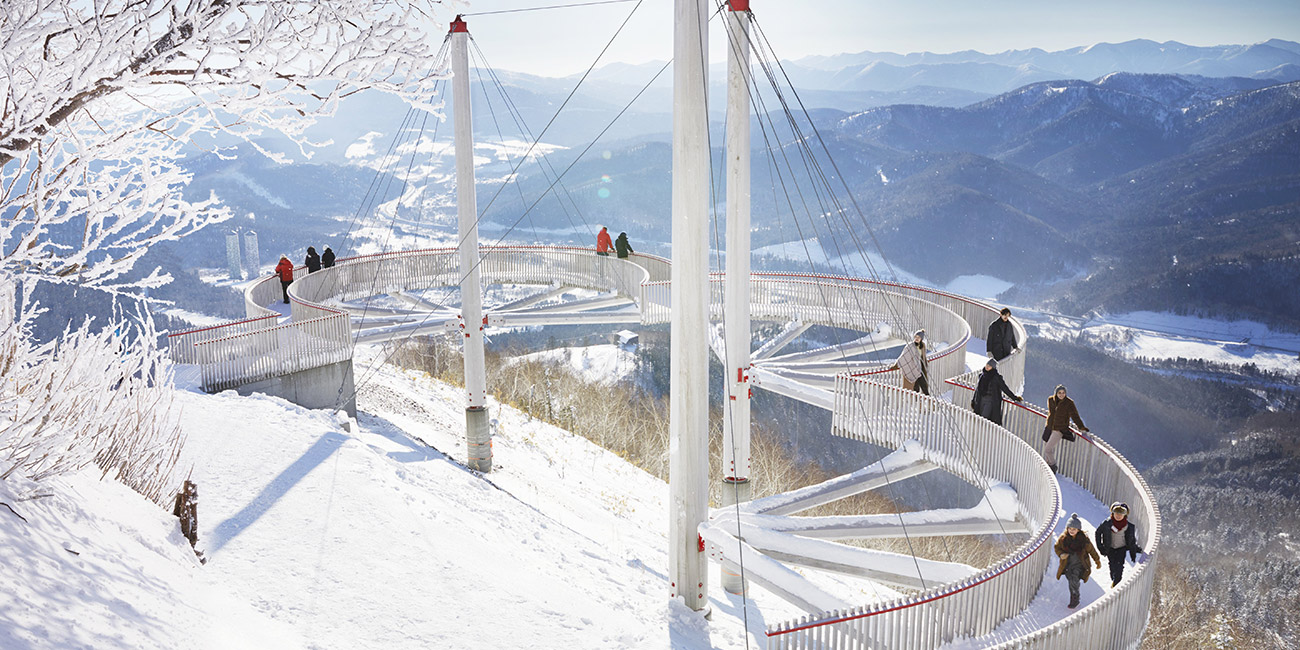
[(1060, 410), (1074, 548)]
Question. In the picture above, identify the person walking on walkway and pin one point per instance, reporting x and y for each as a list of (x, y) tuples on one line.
[(327, 258), (1060, 410), (1116, 538), (1074, 548), (285, 270), (915, 367), (622, 247), (602, 242), (989, 391), (1001, 340), (313, 260)]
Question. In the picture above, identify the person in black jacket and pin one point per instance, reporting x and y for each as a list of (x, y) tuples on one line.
[(622, 247), (313, 260), (1002, 336), (327, 258), (1116, 537), (989, 391)]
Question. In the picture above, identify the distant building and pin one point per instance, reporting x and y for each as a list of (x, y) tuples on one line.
[(251, 256), (627, 338), (232, 256)]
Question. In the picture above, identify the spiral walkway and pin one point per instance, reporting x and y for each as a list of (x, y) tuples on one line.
[(948, 603)]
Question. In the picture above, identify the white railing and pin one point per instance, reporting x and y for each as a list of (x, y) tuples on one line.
[(868, 406), (981, 453), (1119, 617), (247, 357), (181, 345), (257, 348), (265, 292), (973, 608), (368, 275)]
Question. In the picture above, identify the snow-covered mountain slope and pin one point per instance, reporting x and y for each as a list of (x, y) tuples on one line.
[(317, 536), (606, 363), (95, 565)]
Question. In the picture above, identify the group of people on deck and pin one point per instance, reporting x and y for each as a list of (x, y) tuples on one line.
[(313, 262), (621, 246), (1115, 538), (991, 386)]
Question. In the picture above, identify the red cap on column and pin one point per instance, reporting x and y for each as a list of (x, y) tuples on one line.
[(459, 25), (739, 5)]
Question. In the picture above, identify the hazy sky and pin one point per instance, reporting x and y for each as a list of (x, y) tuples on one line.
[(559, 42)]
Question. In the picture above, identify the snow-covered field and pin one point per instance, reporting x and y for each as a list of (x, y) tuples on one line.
[(1168, 336), (605, 364)]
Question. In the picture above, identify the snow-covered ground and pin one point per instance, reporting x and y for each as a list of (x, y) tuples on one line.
[(985, 287), (322, 537), (320, 533), (605, 364), (1168, 336), (193, 318)]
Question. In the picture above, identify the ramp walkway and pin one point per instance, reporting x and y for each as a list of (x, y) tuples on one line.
[(999, 605)]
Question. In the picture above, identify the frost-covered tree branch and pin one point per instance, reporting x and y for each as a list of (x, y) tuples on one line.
[(99, 100), (93, 396)]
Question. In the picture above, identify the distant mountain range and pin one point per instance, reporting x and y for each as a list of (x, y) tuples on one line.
[(1127, 182), (992, 74), (1276, 59), (1138, 188)]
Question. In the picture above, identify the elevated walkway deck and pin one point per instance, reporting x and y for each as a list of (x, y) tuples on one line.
[(1001, 605)]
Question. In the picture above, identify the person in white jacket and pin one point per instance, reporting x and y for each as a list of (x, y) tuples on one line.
[(915, 367)]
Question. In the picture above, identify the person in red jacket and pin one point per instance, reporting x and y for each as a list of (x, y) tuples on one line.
[(603, 244), (285, 270)]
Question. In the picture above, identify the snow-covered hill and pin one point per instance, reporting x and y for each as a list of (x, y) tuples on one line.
[(318, 536)]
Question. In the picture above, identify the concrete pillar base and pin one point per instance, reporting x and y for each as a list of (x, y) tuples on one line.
[(735, 491), (478, 439)]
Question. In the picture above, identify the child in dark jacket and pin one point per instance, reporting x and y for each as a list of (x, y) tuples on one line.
[(1116, 537)]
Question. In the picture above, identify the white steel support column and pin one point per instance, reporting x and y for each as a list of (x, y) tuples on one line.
[(477, 431), (688, 471), (736, 486)]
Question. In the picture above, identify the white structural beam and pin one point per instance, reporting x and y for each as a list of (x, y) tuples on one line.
[(600, 301), (782, 385), (929, 523), (791, 332), (827, 368), (525, 318), (905, 462), (880, 566), (371, 312), (873, 342), (825, 383), (688, 472), (767, 572), (529, 301), (478, 435), (440, 325)]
